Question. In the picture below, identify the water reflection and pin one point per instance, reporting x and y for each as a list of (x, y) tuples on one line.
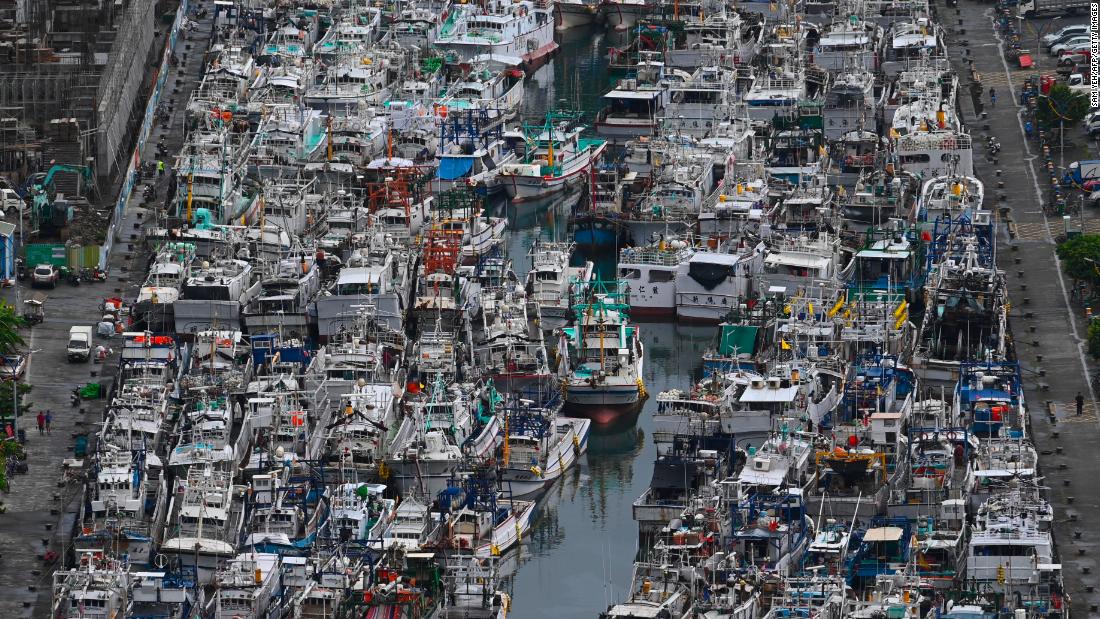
[(578, 557)]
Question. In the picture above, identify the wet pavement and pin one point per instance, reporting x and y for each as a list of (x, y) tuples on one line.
[(1047, 327)]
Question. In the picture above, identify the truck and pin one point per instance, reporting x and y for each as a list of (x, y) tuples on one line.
[(1078, 83), (80, 344), (1080, 172), (1031, 8), (10, 202)]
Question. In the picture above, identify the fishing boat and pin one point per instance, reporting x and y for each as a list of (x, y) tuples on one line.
[(990, 396), (650, 272), (655, 591), (551, 282), (633, 108), (359, 512), (411, 527), (601, 364), (555, 158), (480, 520), (539, 445), (207, 521), (521, 31)]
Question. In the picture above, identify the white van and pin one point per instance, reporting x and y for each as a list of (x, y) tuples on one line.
[(80, 344)]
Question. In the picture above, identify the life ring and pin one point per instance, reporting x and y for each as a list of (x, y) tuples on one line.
[(952, 436)]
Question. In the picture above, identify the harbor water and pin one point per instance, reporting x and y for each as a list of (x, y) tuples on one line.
[(577, 560)]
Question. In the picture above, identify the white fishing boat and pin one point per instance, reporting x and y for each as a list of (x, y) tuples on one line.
[(650, 273), (555, 159), (360, 513), (411, 526), (602, 362), (247, 586), (539, 446), (634, 106), (552, 283), (522, 30), (204, 521)]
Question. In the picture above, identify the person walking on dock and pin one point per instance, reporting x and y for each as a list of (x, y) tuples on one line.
[(160, 167), (992, 97), (1080, 403), (49, 420), (41, 422)]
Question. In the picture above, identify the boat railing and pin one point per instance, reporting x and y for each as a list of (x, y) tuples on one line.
[(776, 83), (654, 256), (936, 140)]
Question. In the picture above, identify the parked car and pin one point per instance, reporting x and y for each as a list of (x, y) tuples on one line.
[(1058, 47), (13, 365), (45, 275), (1065, 31), (1075, 57), (1075, 49)]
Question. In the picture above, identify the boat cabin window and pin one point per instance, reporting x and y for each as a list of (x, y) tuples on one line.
[(658, 276), (630, 274), (631, 108), (1004, 550), (355, 288), (874, 269)]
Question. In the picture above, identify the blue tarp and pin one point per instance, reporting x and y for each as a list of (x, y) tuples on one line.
[(451, 168)]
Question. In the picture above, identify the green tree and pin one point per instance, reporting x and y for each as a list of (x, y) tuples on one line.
[(10, 321), (6, 400), (1062, 105), (1081, 258), (1094, 337)]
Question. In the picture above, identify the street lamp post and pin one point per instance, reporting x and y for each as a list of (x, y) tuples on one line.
[(1039, 33)]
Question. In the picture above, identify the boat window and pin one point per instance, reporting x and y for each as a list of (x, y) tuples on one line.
[(658, 275), (918, 158), (1008, 550), (630, 274)]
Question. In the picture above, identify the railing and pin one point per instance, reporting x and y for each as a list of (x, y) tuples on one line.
[(661, 257)]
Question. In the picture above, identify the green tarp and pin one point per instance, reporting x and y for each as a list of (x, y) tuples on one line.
[(738, 339), (90, 391)]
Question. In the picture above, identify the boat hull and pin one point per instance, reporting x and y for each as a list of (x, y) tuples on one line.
[(509, 532), (562, 456), (581, 394), (425, 477), (622, 16), (573, 15)]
